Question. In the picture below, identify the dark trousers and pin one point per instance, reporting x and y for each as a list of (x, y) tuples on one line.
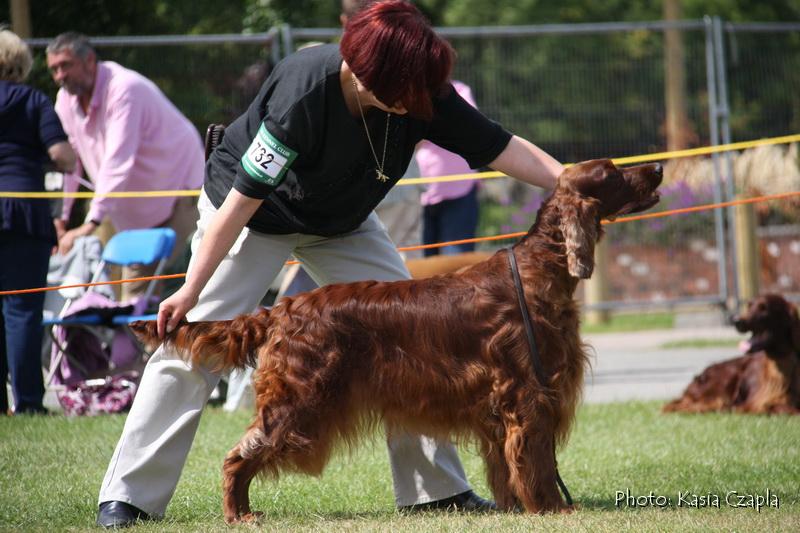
[(23, 265), (451, 220)]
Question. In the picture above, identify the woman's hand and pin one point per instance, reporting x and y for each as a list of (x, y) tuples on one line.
[(173, 309), (67, 240)]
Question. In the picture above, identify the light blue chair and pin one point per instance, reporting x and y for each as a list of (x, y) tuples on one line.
[(126, 248), (139, 247)]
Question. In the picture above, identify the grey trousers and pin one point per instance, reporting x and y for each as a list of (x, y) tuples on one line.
[(163, 420)]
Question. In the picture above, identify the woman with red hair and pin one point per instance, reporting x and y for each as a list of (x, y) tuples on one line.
[(299, 173)]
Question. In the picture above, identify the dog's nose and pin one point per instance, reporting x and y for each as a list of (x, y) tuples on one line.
[(741, 324)]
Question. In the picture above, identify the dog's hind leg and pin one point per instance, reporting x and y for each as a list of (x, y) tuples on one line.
[(532, 468), (241, 465)]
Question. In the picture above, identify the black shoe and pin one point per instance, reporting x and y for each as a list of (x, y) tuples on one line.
[(467, 502), (115, 514)]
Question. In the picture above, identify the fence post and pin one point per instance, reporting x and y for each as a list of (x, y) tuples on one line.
[(287, 38), (725, 131), (719, 192), (748, 265), (595, 289)]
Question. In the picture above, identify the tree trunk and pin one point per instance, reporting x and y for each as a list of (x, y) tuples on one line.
[(678, 130), (21, 18)]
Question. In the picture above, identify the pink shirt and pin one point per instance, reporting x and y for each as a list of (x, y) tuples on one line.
[(131, 139), (436, 161)]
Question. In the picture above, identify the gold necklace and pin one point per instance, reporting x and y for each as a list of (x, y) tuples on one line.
[(380, 175)]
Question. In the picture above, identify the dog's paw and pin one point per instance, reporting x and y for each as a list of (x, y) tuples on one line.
[(251, 517), (246, 518)]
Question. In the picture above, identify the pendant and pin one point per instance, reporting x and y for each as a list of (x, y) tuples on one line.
[(381, 176)]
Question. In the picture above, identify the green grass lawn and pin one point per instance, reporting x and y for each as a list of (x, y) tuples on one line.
[(624, 322), (52, 468)]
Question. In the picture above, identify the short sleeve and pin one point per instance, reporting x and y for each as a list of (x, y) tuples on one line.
[(50, 128), (265, 162), (464, 130), (287, 132)]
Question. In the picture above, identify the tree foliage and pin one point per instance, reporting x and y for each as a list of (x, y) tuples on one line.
[(155, 17), (141, 17), (579, 96)]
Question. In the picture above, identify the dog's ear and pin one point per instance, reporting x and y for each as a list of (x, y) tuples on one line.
[(581, 228)]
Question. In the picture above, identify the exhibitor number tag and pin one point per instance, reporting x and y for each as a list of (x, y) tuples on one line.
[(267, 159)]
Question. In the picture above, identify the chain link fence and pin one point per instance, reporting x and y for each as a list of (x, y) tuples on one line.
[(580, 92)]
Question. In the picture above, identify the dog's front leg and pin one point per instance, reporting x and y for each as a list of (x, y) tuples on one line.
[(532, 468)]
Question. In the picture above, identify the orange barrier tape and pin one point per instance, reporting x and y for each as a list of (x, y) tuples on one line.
[(706, 207), (684, 210), (95, 284)]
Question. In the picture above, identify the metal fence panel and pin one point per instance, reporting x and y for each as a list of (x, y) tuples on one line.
[(580, 92)]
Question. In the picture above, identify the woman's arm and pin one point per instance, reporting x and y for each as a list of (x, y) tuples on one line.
[(527, 162), (225, 227), (63, 156)]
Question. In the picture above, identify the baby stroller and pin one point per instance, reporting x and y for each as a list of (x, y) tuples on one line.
[(95, 360)]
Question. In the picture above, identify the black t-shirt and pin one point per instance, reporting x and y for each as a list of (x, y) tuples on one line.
[(299, 149)]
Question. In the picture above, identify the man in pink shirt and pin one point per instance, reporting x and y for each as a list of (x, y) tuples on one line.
[(449, 209), (129, 137)]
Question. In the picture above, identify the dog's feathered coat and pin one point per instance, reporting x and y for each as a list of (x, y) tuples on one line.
[(443, 356), (766, 380)]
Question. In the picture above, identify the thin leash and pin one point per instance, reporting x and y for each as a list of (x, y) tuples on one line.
[(534, 351)]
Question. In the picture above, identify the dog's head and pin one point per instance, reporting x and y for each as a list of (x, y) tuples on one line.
[(774, 326), (597, 189)]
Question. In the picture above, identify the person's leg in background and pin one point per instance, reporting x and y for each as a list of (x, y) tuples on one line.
[(3, 365), (22, 314), (424, 470), (430, 228), (183, 220), (104, 232), (452, 220)]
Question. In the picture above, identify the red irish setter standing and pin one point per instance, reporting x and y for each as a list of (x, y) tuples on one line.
[(446, 356)]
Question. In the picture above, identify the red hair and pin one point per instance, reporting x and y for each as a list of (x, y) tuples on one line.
[(392, 49)]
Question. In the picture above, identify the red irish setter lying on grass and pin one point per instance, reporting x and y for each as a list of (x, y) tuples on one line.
[(446, 356), (764, 380)]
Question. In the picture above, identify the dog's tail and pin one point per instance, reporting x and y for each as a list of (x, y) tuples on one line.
[(215, 345)]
